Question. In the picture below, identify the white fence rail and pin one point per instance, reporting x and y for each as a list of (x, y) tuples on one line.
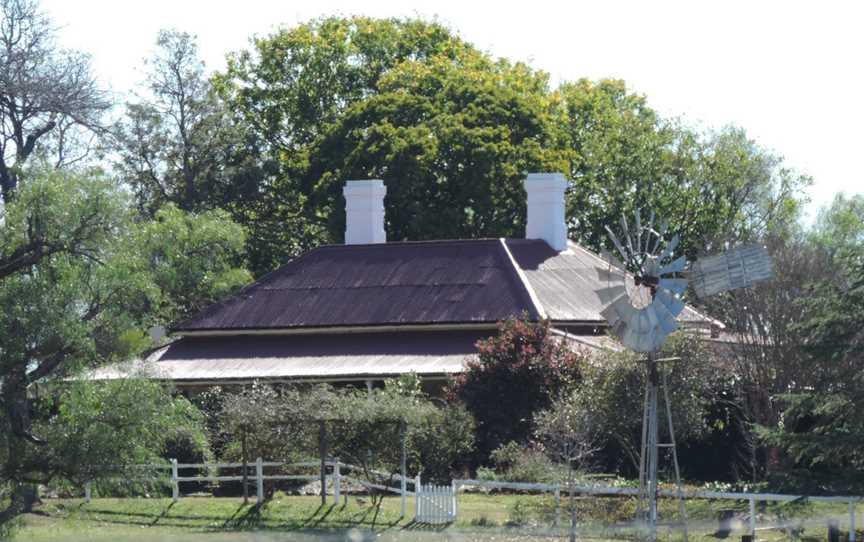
[(751, 498), (257, 476)]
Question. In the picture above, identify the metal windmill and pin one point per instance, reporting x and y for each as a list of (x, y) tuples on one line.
[(641, 303)]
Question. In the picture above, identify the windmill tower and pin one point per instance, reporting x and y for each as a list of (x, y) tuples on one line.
[(642, 299)]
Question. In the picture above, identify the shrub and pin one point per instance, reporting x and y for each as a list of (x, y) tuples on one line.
[(526, 364), (517, 463)]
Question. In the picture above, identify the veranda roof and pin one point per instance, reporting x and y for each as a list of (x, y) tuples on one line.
[(347, 356)]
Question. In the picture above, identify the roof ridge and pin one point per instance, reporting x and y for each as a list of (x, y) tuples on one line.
[(333, 246), (532, 295)]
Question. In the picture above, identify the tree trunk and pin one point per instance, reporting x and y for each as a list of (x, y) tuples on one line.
[(8, 182), (23, 497), (572, 501)]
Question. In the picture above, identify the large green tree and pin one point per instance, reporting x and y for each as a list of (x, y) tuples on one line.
[(711, 187), (822, 430), (80, 279), (289, 89), (452, 141)]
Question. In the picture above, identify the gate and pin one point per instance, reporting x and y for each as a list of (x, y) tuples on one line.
[(435, 504)]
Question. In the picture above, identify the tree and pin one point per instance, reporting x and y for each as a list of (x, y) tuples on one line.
[(290, 88), (80, 279), (179, 144), (821, 429), (712, 188), (113, 424), (46, 93), (568, 433), (525, 363), (452, 140)]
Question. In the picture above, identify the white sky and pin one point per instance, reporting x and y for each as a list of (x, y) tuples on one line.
[(790, 73)]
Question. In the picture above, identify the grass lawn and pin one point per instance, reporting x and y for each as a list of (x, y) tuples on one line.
[(481, 517)]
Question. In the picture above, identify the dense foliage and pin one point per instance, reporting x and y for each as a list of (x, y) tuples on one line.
[(81, 280), (452, 132), (517, 372), (361, 428)]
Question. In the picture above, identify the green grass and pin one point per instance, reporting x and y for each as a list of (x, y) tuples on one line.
[(502, 517)]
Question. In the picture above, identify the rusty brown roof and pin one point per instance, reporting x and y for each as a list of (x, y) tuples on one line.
[(435, 282), (418, 283)]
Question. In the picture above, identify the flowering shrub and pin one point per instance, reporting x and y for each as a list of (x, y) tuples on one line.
[(516, 373)]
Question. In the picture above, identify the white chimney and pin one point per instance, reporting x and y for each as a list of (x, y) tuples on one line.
[(546, 219), (364, 212)]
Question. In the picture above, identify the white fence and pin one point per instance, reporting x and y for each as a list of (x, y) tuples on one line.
[(258, 477), (435, 504), (752, 498)]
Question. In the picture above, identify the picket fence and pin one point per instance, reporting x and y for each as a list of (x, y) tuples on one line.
[(435, 504)]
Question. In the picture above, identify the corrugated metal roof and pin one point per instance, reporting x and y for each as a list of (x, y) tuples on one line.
[(306, 356), (411, 283), (328, 357), (384, 284), (566, 283)]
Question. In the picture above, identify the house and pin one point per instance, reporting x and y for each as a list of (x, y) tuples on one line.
[(369, 310)]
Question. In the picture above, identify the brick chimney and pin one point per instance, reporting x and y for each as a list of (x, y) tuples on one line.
[(364, 212), (546, 219)]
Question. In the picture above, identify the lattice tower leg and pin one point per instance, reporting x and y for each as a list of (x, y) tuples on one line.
[(650, 454), (653, 450), (682, 509), (643, 458)]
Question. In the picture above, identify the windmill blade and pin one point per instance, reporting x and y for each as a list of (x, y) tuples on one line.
[(676, 266), (677, 286), (665, 319), (626, 233), (672, 302), (610, 314), (610, 258), (617, 244), (740, 267), (670, 247), (605, 275), (610, 294), (619, 311), (650, 230), (663, 227), (651, 313)]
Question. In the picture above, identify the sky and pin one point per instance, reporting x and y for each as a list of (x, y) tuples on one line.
[(790, 73)]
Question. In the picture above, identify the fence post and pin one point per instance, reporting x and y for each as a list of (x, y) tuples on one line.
[(851, 521), (175, 485), (417, 490), (403, 494), (454, 488), (259, 479), (337, 481), (87, 492), (753, 517), (557, 518)]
